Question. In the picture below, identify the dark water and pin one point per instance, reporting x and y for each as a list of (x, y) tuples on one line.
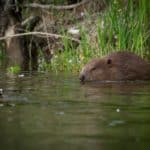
[(48, 111)]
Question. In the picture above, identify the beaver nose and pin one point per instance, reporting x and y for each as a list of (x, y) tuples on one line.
[(82, 78)]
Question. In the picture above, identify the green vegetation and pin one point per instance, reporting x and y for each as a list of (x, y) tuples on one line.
[(123, 25), (14, 70), (119, 27)]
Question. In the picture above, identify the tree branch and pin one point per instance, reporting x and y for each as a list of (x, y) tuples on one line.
[(63, 7), (42, 35)]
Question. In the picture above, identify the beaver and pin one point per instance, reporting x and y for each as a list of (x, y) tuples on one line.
[(118, 66)]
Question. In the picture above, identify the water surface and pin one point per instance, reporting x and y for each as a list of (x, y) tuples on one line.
[(49, 111)]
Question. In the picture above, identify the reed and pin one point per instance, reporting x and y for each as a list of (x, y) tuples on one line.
[(120, 28)]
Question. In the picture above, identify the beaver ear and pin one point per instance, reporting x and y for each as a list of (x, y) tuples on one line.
[(109, 61)]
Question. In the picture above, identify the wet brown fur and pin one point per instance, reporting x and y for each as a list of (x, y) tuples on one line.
[(118, 66)]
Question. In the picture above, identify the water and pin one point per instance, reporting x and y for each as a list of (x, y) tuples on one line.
[(48, 111)]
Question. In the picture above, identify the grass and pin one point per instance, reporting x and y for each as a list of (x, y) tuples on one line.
[(14, 70), (119, 28)]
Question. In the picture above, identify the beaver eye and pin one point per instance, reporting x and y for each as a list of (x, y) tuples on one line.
[(109, 61), (94, 68)]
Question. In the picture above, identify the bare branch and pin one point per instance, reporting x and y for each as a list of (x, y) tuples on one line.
[(40, 34), (30, 22), (63, 7)]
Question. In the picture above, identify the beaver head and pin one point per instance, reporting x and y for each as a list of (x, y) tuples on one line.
[(117, 66), (96, 69)]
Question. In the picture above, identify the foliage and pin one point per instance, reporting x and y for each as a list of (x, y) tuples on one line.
[(123, 25), (14, 69), (119, 28)]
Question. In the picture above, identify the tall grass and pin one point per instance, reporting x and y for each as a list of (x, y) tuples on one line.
[(120, 27), (125, 27)]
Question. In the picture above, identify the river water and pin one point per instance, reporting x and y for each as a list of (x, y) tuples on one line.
[(49, 111)]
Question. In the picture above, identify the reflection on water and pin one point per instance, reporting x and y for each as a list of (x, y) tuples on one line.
[(48, 111)]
